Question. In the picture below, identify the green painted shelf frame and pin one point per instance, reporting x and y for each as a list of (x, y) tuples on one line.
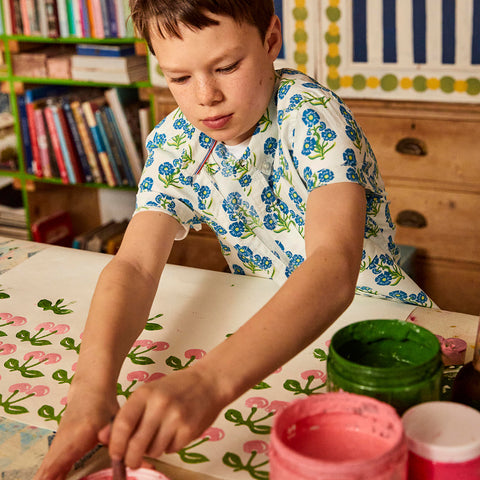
[(8, 77)]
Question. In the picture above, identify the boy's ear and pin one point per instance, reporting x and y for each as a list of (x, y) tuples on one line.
[(273, 38)]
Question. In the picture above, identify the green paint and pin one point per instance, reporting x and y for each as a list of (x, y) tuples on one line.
[(447, 84), (300, 13), (389, 82), (359, 82), (473, 86), (333, 14), (300, 35), (392, 360), (419, 83)]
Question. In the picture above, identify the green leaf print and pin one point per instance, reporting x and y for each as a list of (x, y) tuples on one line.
[(56, 308)]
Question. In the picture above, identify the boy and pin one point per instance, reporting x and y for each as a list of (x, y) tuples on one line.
[(277, 166)]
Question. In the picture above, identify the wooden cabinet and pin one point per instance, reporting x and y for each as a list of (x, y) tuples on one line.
[(429, 157)]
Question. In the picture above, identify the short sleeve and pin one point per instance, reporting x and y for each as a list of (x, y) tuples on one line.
[(163, 185)]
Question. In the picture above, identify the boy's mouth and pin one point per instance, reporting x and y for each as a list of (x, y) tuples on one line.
[(216, 123)]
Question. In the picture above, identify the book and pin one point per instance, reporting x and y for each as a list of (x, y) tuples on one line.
[(87, 32), (63, 18), (80, 241), (108, 148), (112, 18), (145, 126), (88, 146), (72, 32), (100, 50), (17, 23), (66, 142), (119, 101), (57, 150), (120, 146), (55, 229), (25, 17), (108, 63), (53, 27), (25, 132), (89, 108), (91, 21), (8, 138), (77, 142), (96, 10), (121, 20), (126, 77), (105, 20), (98, 240), (41, 134), (42, 17), (7, 17)]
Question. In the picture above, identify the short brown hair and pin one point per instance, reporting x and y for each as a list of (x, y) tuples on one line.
[(168, 15)]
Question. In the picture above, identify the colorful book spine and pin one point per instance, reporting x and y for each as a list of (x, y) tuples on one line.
[(108, 148), (41, 135), (88, 146), (53, 27), (42, 17), (97, 18), (25, 17), (112, 18), (85, 19), (120, 17), (17, 18), (25, 131), (77, 142), (63, 18), (88, 109), (57, 150), (37, 163), (120, 146), (7, 17), (62, 138), (72, 32)]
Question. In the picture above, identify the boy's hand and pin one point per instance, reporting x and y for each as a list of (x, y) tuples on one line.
[(162, 416), (86, 414)]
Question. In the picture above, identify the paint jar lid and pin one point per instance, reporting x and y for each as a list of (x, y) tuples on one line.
[(444, 432), (138, 474)]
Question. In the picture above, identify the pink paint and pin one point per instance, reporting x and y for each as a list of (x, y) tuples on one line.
[(453, 350), (139, 474), (443, 440), (338, 435)]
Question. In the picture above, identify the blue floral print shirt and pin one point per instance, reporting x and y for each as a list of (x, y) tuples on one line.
[(256, 204)]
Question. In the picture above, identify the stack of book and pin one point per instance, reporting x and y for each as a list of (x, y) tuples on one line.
[(109, 63), (83, 135), (8, 138), (105, 238), (68, 18), (13, 221)]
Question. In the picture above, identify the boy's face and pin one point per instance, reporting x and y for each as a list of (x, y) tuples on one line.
[(221, 76)]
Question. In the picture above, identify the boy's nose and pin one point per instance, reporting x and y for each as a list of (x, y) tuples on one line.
[(208, 93)]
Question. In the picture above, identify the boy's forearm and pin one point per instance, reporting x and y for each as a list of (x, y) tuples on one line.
[(117, 316)]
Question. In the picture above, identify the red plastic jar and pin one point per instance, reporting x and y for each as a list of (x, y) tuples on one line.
[(338, 435), (443, 440)]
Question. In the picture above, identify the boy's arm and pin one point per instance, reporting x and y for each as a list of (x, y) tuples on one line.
[(168, 414), (118, 311)]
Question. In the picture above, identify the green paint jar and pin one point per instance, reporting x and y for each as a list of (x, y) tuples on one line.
[(394, 361)]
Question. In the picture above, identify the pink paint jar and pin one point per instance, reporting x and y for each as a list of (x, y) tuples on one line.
[(338, 435), (138, 474), (443, 440)]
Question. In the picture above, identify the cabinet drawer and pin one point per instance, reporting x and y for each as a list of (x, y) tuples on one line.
[(453, 286), (443, 224), (448, 151)]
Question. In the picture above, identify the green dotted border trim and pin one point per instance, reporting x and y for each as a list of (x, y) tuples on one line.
[(390, 82)]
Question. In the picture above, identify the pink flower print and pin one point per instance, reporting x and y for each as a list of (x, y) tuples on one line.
[(317, 374), (257, 402), (61, 329), (44, 326), (52, 328), (154, 376), (328, 342), (38, 390), (64, 401), (258, 446), (138, 376), (9, 319), (19, 393), (276, 406), (7, 348), (214, 434), (195, 352)]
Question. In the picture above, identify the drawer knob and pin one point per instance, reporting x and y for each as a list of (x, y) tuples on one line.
[(411, 218), (411, 146)]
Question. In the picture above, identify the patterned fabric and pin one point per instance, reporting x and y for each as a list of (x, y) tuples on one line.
[(256, 204)]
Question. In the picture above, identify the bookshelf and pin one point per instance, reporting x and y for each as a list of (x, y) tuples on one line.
[(44, 194)]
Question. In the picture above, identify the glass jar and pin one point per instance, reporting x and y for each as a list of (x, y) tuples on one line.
[(394, 361), (443, 440), (338, 435)]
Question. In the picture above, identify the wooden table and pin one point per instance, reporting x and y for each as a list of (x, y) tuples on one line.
[(22, 447)]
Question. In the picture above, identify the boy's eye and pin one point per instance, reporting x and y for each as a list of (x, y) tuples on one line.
[(229, 68), (178, 79)]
